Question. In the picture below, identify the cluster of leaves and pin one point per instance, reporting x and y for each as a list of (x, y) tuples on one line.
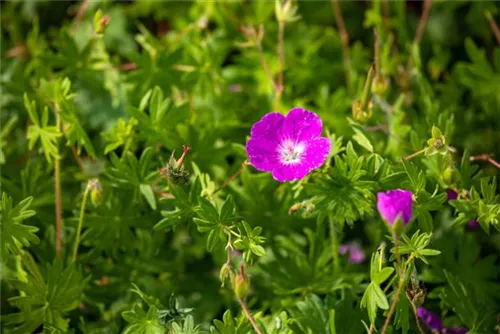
[(103, 96)]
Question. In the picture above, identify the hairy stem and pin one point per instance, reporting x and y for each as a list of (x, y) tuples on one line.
[(57, 186), (281, 55), (417, 320), (80, 221), (408, 157), (265, 66), (487, 158), (249, 316), (344, 37), (232, 177), (400, 285), (423, 21), (493, 25)]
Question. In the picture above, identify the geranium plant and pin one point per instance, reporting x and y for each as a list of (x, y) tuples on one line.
[(250, 167)]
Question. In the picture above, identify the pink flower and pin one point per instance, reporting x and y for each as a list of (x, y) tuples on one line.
[(356, 253), (289, 147), (430, 319), (473, 224), (434, 323), (451, 195), (395, 203)]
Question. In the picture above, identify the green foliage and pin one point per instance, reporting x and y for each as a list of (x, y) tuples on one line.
[(416, 246), (14, 234), (45, 296), (374, 298), (108, 94)]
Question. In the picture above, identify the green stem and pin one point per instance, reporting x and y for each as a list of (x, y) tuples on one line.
[(400, 285), (80, 221), (57, 186), (335, 248), (127, 146)]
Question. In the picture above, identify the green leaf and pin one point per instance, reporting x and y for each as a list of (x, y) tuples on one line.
[(362, 140), (141, 322), (14, 234), (46, 298), (383, 275), (148, 193), (373, 299)]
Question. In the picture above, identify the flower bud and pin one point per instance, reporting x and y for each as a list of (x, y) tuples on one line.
[(395, 207), (380, 85), (361, 114), (225, 272), (175, 170), (448, 175), (95, 192), (101, 21), (240, 283)]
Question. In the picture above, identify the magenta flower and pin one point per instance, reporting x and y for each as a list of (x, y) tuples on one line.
[(288, 147), (451, 195), (434, 323), (395, 203), (356, 253), (473, 224), (430, 319)]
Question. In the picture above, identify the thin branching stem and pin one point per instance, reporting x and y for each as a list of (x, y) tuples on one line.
[(408, 157), (487, 158), (80, 221), (344, 37), (493, 25), (281, 55), (232, 177), (417, 320), (57, 186), (400, 284), (423, 21), (249, 316)]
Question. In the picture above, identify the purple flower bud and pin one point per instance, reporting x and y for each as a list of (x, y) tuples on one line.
[(395, 203), (356, 253), (473, 224), (430, 319), (452, 195)]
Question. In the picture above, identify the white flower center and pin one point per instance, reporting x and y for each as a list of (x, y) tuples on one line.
[(290, 152)]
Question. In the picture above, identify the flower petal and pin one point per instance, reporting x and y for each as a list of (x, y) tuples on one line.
[(394, 203), (263, 154), (301, 125), (268, 127), (430, 319), (317, 151), (290, 172)]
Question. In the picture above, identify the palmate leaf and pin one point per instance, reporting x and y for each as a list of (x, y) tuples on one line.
[(132, 173), (73, 130), (462, 300), (230, 325), (40, 130), (14, 234), (312, 316), (460, 257), (141, 322), (159, 123), (182, 206), (346, 192), (46, 296)]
